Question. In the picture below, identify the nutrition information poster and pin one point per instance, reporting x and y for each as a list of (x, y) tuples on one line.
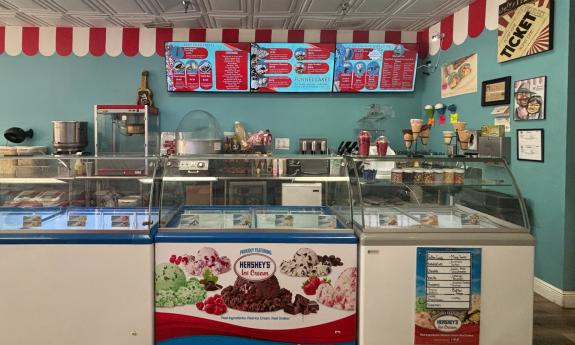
[(448, 296), (369, 67), (291, 67), (203, 67)]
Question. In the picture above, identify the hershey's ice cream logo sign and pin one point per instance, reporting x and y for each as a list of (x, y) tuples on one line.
[(255, 267), (447, 323)]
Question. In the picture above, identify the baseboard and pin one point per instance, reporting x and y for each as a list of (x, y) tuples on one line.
[(565, 299)]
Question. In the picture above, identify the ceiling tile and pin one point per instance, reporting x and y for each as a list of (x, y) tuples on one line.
[(225, 5), (74, 6), (372, 6), (312, 23), (322, 6), (271, 22), (275, 5), (229, 21), (124, 6)]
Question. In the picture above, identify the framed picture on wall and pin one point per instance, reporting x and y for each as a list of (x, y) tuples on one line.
[(530, 99), (530, 145), (496, 92), (525, 28)]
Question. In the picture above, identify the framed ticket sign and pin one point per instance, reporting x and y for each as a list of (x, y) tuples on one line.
[(207, 67), (525, 28), (374, 67)]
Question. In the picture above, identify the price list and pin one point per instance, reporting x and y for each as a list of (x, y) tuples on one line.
[(448, 280)]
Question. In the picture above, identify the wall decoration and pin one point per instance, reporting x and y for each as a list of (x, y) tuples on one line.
[(525, 28), (530, 99), (459, 77), (530, 145), (496, 92)]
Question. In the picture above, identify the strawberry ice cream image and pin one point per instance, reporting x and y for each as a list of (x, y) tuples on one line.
[(206, 259), (343, 294)]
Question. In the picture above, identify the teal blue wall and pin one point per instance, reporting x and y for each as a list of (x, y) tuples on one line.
[(570, 187), (542, 184), (37, 90)]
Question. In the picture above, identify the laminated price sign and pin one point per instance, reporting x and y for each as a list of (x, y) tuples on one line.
[(448, 296)]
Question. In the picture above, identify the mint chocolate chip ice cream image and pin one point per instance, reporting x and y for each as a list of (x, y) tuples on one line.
[(169, 277), (173, 290)]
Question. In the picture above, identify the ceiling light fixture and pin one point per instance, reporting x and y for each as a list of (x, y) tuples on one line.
[(186, 4), (437, 37), (428, 66)]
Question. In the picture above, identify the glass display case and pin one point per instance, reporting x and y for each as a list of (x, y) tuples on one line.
[(66, 195), (436, 194), (255, 192), (247, 232), (125, 130)]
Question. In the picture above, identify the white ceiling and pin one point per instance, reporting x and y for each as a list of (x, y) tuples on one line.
[(406, 15)]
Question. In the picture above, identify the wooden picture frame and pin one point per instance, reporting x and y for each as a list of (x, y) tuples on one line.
[(531, 145), (496, 92)]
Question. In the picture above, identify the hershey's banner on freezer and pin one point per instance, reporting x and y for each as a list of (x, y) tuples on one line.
[(448, 296), (271, 293)]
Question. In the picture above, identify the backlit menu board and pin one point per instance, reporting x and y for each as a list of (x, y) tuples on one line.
[(201, 66), (369, 67), (291, 67)]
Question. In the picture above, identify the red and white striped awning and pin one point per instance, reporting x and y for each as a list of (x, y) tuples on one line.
[(114, 41), (467, 22)]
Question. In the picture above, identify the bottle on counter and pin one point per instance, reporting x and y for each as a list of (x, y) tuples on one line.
[(364, 141), (241, 135), (382, 144)]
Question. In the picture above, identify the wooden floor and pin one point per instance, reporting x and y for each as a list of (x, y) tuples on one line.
[(553, 325)]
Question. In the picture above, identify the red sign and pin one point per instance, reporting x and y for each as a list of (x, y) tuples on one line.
[(231, 70), (398, 72)]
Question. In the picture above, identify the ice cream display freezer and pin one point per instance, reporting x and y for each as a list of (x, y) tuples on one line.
[(445, 253), (77, 267), (253, 274)]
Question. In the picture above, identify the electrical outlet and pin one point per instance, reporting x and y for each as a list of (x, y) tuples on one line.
[(282, 143)]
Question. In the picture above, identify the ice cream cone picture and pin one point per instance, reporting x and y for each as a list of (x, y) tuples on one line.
[(416, 127), (425, 129), (447, 137), (440, 108), (408, 138), (430, 113), (453, 110), (459, 126), (464, 139)]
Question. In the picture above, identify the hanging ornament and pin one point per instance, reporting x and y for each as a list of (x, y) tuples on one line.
[(440, 108), (454, 115)]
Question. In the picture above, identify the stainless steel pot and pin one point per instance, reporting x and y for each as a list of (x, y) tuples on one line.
[(69, 136)]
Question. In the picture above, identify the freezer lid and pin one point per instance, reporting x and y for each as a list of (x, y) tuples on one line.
[(446, 239), (74, 238), (257, 237)]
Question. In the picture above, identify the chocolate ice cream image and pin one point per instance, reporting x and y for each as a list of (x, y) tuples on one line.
[(256, 296), (305, 263)]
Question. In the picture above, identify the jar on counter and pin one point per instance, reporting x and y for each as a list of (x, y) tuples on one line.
[(408, 175), (428, 177), (418, 176), (396, 175), (438, 176), (448, 176), (459, 177)]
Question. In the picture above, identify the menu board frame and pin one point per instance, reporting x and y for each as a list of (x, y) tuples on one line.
[(362, 52), (288, 53), (199, 61), (248, 46)]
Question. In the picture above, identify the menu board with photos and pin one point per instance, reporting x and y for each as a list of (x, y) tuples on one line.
[(291, 67), (201, 66), (375, 67)]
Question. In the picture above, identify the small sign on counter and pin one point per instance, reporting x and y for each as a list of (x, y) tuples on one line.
[(77, 221), (121, 221), (32, 221), (448, 296)]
